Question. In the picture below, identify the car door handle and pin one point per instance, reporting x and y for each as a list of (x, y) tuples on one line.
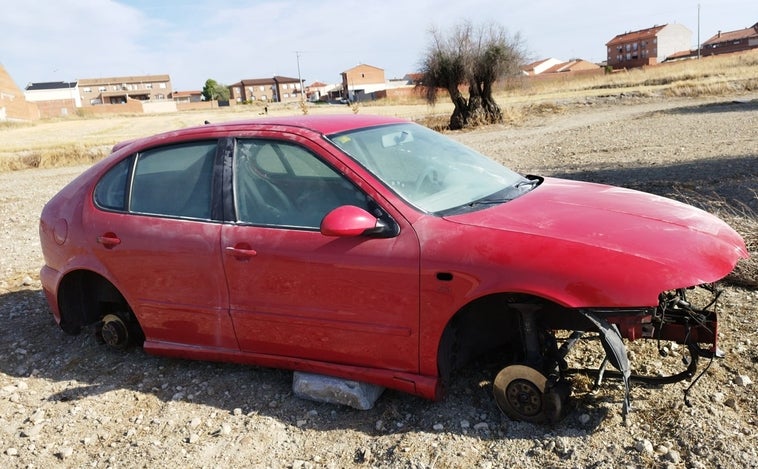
[(109, 240), (241, 253)]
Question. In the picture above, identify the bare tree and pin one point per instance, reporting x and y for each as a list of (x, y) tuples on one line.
[(473, 56)]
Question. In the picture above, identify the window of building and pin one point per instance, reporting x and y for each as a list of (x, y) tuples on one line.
[(87, 89), (162, 86), (262, 88), (102, 88), (149, 86)]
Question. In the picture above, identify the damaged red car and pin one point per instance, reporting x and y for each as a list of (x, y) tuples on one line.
[(374, 249)]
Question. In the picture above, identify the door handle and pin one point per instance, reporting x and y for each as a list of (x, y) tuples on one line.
[(109, 240), (240, 252)]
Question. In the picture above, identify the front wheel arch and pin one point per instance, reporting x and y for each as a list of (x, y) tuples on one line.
[(493, 322)]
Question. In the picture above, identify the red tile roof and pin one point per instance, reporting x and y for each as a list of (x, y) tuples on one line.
[(751, 32), (635, 35)]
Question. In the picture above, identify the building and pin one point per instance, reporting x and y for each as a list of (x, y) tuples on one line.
[(535, 68), (54, 98), (13, 104), (647, 46), (194, 96), (118, 90), (358, 83), (277, 89), (731, 41), (552, 65)]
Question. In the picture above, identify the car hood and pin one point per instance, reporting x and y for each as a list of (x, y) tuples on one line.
[(621, 220)]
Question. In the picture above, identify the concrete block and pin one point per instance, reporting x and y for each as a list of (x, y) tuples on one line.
[(320, 388)]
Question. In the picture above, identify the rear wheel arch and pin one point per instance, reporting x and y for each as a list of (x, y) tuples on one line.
[(86, 297)]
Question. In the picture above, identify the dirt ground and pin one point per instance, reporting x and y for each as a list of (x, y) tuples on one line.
[(68, 402)]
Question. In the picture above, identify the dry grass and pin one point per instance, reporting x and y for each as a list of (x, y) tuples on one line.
[(65, 155)]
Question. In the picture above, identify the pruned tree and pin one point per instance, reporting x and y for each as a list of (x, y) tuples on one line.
[(215, 91), (472, 56)]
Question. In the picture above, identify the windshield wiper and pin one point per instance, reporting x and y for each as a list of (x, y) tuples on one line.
[(520, 188)]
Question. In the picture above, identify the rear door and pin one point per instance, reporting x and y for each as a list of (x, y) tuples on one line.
[(296, 293), (156, 234)]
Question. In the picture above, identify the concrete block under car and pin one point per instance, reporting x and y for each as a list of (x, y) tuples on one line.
[(320, 388)]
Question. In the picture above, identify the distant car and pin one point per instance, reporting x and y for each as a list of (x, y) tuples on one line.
[(373, 249)]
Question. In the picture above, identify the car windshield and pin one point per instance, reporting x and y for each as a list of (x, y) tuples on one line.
[(430, 171)]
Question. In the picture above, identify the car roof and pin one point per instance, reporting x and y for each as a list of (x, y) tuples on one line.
[(322, 124)]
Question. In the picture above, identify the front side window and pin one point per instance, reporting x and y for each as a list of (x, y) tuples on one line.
[(282, 184), (174, 181)]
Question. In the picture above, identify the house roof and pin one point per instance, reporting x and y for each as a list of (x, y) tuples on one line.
[(281, 79), (572, 66), (682, 54), (530, 67), (746, 33), (635, 35), (179, 94), (416, 77), (266, 81), (119, 80), (358, 67), (50, 85)]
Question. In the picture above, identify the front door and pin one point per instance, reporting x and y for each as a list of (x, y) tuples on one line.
[(295, 292)]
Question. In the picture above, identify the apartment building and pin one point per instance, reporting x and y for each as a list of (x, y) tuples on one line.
[(647, 46), (117, 90)]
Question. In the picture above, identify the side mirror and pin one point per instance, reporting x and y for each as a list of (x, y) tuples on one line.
[(349, 220)]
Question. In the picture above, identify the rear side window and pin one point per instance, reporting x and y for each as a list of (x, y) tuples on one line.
[(174, 181), (110, 192)]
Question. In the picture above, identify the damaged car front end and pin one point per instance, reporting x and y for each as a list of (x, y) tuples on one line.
[(597, 262)]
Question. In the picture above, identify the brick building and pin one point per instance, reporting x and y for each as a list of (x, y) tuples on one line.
[(118, 90), (13, 104), (277, 89), (647, 46), (731, 41), (359, 82), (54, 99)]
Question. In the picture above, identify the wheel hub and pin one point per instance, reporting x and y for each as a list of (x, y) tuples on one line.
[(522, 393), (115, 332)]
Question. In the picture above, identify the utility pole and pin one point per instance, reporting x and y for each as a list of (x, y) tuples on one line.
[(299, 79), (698, 31)]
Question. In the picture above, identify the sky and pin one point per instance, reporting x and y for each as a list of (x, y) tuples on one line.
[(193, 40)]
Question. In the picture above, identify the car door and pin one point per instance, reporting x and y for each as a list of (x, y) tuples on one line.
[(297, 293), (157, 237)]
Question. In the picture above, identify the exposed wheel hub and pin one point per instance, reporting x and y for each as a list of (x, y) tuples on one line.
[(524, 397), (523, 393), (115, 332)]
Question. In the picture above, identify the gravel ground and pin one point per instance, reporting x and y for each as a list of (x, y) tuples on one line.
[(67, 401)]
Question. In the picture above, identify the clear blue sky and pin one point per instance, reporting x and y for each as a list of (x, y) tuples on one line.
[(192, 40)]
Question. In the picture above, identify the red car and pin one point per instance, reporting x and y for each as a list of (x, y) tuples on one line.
[(373, 249)]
